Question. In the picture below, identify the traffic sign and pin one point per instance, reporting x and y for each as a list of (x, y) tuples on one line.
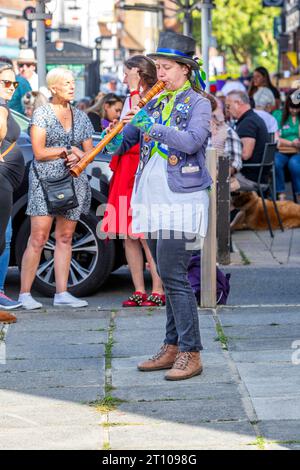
[(39, 16), (28, 11)]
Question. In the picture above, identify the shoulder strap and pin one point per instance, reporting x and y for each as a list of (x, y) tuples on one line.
[(8, 150), (72, 117)]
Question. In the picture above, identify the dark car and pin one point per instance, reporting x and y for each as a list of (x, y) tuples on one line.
[(93, 259)]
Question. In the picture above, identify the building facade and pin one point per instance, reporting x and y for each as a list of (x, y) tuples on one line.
[(12, 26)]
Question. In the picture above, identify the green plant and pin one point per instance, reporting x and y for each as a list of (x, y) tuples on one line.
[(245, 260), (107, 404), (221, 336)]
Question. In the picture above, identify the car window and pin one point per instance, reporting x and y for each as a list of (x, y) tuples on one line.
[(22, 120)]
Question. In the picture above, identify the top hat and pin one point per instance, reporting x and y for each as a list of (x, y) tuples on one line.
[(177, 47), (26, 56)]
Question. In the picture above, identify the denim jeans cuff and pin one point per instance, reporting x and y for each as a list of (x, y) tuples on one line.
[(187, 349)]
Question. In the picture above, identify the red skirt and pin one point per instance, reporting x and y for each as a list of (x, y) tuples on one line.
[(117, 217)]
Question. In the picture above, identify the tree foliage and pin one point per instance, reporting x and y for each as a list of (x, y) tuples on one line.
[(244, 33)]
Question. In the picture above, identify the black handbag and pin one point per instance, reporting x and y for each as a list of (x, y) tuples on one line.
[(59, 193)]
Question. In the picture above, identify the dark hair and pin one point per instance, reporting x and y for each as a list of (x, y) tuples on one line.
[(287, 105), (146, 67), (98, 107), (6, 60), (5, 66), (263, 71)]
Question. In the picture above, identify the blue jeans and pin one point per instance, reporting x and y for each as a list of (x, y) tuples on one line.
[(172, 260), (293, 162), (4, 258)]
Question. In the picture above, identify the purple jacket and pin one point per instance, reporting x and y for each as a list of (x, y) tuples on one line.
[(186, 139)]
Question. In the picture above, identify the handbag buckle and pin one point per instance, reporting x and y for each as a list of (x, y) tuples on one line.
[(60, 196)]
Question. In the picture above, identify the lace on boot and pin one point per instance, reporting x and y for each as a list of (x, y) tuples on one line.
[(182, 360), (160, 353)]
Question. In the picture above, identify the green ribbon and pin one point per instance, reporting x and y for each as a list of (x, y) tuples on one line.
[(167, 110)]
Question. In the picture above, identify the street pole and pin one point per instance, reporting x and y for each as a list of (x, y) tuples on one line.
[(205, 6), (186, 19), (30, 31), (41, 44)]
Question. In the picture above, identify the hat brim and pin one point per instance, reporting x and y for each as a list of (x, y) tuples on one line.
[(26, 61), (184, 60)]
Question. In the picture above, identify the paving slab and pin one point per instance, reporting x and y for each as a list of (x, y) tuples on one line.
[(263, 357), (255, 318), (39, 365), (264, 332), (48, 351), (173, 436), (157, 323), (36, 324), (285, 430), (52, 438), (281, 408), (55, 378), (262, 344), (59, 338), (187, 412), (80, 394), (181, 391), (14, 417), (133, 377)]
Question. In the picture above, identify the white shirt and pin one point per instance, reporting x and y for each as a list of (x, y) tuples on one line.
[(34, 82), (155, 207), (269, 120)]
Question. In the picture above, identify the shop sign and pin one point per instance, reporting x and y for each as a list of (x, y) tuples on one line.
[(292, 21)]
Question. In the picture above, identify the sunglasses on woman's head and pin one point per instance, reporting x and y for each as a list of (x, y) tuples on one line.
[(9, 83)]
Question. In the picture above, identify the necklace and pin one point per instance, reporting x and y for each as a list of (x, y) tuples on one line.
[(62, 114)]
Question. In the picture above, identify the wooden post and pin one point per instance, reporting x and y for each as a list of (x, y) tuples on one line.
[(223, 208), (209, 250)]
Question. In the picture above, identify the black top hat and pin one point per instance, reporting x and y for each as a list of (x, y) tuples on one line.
[(177, 47)]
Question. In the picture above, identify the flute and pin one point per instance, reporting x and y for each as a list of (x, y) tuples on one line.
[(88, 157)]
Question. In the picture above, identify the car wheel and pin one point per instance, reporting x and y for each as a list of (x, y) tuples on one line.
[(92, 259)]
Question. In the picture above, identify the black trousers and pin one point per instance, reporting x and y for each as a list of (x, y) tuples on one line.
[(6, 204)]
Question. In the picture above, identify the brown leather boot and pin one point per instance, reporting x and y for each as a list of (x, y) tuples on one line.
[(7, 317), (164, 359), (187, 365)]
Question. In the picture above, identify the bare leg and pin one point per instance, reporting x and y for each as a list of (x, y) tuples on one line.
[(63, 252), (157, 285), (135, 260), (40, 229)]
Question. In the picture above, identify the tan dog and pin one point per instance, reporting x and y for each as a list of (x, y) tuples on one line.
[(253, 216)]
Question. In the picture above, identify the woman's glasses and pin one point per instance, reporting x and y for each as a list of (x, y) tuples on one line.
[(9, 83)]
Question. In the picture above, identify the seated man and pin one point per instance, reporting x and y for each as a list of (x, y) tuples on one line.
[(225, 139), (264, 102), (254, 135)]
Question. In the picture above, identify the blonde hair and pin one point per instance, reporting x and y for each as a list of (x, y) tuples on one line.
[(56, 75)]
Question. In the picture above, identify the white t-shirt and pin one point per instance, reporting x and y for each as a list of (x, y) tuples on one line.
[(269, 120)]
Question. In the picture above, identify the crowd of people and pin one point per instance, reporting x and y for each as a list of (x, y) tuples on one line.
[(254, 109)]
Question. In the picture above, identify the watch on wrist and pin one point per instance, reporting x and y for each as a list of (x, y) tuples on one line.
[(69, 149)]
